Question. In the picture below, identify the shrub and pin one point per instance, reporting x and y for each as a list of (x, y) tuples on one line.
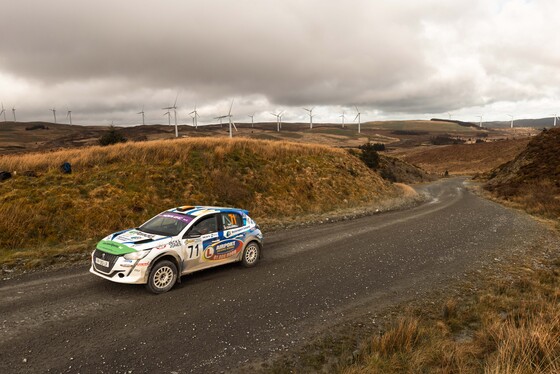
[(369, 156), (445, 140), (113, 136), (379, 146)]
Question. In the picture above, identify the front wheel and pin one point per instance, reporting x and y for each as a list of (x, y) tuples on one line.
[(251, 255), (162, 277)]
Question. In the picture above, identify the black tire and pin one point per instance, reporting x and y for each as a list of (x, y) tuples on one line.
[(163, 277), (251, 255)]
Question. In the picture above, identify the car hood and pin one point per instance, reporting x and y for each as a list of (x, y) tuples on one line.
[(131, 240)]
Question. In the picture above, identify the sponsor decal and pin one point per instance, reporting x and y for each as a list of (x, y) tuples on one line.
[(163, 246), (177, 216), (223, 250), (143, 264), (174, 244)]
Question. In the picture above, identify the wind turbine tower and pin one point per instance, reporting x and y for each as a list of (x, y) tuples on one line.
[(69, 116), (252, 119), (168, 114), (195, 117), (278, 119), (342, 116), (229, 115), (142, 113), (310, 111), (479, 121), (511, 120), (174, 107), (3, 111), (555, 116), (53, 110), (359, 117), (14, 113)]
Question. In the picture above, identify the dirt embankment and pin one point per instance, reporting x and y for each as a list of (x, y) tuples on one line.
[(120, 186), (532, 180)]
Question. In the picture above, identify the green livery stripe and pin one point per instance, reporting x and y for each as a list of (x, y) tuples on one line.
[(114, 248)]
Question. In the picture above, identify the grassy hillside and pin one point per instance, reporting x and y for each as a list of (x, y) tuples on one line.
[(532, 179), (465, 158), (120, 186)]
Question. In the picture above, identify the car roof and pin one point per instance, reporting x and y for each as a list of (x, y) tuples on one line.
[(201, 210)]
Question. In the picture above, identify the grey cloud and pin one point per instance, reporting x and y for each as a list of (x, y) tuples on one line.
[(396, 57)]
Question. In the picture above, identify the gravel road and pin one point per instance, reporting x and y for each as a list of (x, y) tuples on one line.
[(309, 280)]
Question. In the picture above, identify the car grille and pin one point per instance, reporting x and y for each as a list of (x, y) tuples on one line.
[(104, 256)]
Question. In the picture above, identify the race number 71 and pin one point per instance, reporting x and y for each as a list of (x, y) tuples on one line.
[(191, 250)]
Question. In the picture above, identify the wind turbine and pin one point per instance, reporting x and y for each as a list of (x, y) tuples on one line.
[(511, 120), (53, 110), (480, 121), (69, 115), (3, 111), (449, 114), (252, 119), (168, 114), (342, 116), (174, 107), (278, 119), (142, 113), (195, 117), (359, 117), (555, 116), (310, 117), (14, 113), (220, 118), (230, 121)]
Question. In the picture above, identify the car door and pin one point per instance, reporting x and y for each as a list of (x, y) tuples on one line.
[(232, 235), (202, 235)]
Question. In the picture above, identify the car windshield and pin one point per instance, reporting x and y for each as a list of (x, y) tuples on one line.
[(167, 224)]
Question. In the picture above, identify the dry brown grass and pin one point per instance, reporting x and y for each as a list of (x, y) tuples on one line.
[(531, 181), (158, 151), (465, 159), (511, 325), (120, 186)]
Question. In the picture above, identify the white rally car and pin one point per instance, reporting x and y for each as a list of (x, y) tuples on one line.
[(176, 242)]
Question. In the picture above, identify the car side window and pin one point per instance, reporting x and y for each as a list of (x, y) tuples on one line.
[(231, 220), (205, 226)]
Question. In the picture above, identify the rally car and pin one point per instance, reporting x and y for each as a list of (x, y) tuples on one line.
[(176, 242)]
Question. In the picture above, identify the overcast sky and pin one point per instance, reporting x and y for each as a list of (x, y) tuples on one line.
[(397, 59)]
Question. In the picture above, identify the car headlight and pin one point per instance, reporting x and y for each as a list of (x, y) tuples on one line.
[(137, 255)]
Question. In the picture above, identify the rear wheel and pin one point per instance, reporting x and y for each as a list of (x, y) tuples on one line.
[(162, 277), (251, 255)]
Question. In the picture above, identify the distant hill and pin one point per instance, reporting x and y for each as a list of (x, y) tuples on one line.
[(532, 179), (537, 123)]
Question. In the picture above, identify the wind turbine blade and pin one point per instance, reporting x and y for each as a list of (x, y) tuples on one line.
[(230, 107), (235, 127), (176, 97), (357, 115), (357, 110)]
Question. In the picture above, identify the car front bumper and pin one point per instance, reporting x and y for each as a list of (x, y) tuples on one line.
[(121, 270)]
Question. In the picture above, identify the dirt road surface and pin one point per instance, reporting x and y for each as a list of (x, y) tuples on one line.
[(309, 280)]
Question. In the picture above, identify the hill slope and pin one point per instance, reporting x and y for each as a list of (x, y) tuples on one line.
[(465, 158), (120, 186), (532, 179)]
